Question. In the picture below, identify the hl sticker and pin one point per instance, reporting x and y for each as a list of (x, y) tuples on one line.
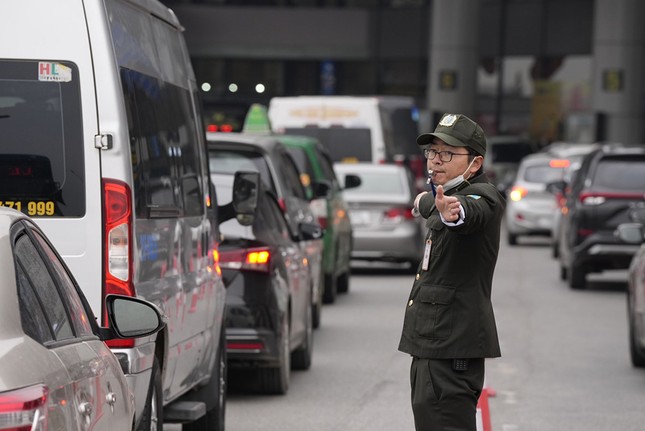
[(55, 72)]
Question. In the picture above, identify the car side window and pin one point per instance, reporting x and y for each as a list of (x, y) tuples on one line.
[(32, 316), (36, 276), (70, 294), (291, 177), (328, 170), (275, 218)]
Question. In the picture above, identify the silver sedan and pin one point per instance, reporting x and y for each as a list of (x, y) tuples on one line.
[(380, 212), (56, 372)]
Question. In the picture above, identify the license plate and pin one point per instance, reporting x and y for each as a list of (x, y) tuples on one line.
[(360, 218)]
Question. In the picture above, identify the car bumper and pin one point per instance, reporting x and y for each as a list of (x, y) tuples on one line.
[(401, 243), (522, 219)]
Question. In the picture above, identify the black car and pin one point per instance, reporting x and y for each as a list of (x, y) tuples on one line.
[(610, 182), (268, 303), (230, 152)]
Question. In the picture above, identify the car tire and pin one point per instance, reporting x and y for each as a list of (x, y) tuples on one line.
[(316, 314), (512, 239), (275, 380), (555, 250), (331, 290), (152, 419), (636, 353), (563, 272), (215, 392), (301, 357), (342, 282), (576, 278)]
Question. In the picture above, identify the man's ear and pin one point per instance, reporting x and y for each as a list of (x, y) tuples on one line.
[(478, 161)]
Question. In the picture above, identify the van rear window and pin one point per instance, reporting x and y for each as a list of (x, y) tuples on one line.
[(42, 170), (343, 144)]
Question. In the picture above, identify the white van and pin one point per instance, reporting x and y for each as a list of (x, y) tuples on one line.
[(102, 143), (374, 129)]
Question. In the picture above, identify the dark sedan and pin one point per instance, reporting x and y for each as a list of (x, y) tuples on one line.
[(269, 287)]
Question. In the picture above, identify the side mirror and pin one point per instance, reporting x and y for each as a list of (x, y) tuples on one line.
[(321, 188), (245, 196), (131, 317), (310, 231), (352, 181), (631, 233), (556, 187)]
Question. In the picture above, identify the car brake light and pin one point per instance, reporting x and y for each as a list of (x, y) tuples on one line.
[(237, 345), (253, 259), (517, 193), (559, 163), (117, 252), (24, 409), (398, 214), (212, 128)]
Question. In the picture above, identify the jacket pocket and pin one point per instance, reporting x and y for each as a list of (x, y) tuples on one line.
[(434, 311)]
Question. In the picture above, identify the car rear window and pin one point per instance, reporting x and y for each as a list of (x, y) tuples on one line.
[(230, 161), (624, 174), (543, 174), (42, 170), (378, 183)]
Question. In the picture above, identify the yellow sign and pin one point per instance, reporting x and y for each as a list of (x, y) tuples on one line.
[(32, 208)]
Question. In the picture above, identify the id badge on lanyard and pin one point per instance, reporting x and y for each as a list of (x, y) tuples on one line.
[(425, 264)]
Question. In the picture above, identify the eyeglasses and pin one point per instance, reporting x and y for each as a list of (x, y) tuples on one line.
[(444, 156)]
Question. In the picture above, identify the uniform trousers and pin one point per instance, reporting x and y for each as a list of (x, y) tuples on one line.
[(444, 399)]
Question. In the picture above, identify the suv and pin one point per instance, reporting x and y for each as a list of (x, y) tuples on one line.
[(610, 182), (230, 152), (317, 169)]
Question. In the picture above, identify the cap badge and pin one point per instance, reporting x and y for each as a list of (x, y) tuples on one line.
[(448, 120)]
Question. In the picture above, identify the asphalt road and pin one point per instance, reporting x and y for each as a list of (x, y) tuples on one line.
[(565, 363)]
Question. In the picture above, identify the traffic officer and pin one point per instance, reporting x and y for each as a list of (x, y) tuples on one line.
[(449, 325)]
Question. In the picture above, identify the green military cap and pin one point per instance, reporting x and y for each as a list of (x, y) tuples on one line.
[(459, 131)]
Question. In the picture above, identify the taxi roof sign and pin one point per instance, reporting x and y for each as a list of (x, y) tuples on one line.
[(257, 120)]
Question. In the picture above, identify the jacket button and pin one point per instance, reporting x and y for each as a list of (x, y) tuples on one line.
[(410, 302), (417, 277)]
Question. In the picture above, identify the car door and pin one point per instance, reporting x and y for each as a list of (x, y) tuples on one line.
[(98, 395)]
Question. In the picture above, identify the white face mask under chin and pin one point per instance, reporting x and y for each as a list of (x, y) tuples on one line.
[(451, 184)]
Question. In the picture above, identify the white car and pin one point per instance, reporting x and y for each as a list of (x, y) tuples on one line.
[(56, 372)]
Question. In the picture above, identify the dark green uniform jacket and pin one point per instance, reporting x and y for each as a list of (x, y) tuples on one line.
[(449, 312)]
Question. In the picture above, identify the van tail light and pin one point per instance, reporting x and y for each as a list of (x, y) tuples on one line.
[(319, 210), (398, 214), (24, 409), (592, 199), (252, 259), (517, 193), (117, 246)]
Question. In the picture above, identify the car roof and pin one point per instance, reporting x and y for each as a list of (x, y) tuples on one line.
[(369, 167), (267, 142)]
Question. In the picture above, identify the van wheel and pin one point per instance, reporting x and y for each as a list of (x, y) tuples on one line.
[(152, 419), (342, 282), (214, 394), (329, 297), (275, 380)]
